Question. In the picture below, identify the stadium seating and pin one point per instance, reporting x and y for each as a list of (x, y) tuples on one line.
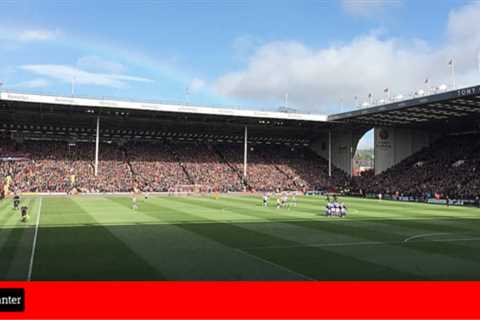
[(449, 167), (49, 166), (270, 166)]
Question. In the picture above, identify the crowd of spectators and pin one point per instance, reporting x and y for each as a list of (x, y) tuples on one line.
[(450, 167), (262, 174), (292, 168), (206, 167), (44, 166), (55, 166), (155, 167)]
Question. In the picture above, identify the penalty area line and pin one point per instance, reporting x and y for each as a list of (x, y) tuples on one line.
[(34, 244)]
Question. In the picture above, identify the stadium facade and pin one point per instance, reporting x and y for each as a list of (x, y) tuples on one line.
[(401, 128)]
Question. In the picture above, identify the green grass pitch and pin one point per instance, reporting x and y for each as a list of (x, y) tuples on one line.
[(235, 238)]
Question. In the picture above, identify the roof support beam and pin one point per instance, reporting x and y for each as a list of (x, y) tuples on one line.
[(97, 145), (245, 152)]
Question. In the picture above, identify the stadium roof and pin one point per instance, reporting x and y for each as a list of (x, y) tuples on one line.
[(436, 109), (160, 107), (46, 116), (458, 107)]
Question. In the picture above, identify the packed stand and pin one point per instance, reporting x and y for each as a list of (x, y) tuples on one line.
[(55, 166), (207, 168), (450, 167), (272, 167), (155, 167)]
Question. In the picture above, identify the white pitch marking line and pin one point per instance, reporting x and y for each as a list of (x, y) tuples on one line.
[(424, 235), (274, 264), (327, 244), (457, 239), (34, 245), (359, 243)]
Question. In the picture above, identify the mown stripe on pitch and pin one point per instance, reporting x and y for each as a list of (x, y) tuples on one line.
[(258, 204), (312, 261), (367, 231), (158, 211), (459, 249), (277, 216), (392, 226), (6, 212), (450, 226), (397, 205), (394, 222), (170, 216), (8, 250), (88, 252), (258, 238), (384, 210), (451, 251), (20, 262), (234, 233), (140, 237), (334, 227), (318, 211), (459, 226), (448, 248), (318, 208), (382, 256), (374, 233), (324, 264), (219, 204), (318, 258), (430, 225), (4, 204), (205, 270), (11, 244)]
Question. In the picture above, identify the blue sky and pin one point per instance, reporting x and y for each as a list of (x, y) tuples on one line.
[(238, 53)]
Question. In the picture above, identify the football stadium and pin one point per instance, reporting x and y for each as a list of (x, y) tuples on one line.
[(97, 189)]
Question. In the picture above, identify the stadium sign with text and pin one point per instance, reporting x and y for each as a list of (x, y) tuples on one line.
[(468, 91)]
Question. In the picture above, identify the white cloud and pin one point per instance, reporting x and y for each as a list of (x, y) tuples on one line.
[(95, 63), (28, 35), (37, 35), (367, 8), (196, 85), (318, 78), (32, 84), (67, 73)]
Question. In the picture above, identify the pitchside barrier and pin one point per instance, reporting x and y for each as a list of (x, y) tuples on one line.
[(126, 194), (452, 202), (163, 194)]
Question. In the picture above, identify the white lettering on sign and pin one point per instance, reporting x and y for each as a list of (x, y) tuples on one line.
[(468, 91)]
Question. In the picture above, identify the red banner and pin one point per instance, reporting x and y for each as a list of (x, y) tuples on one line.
[(247, 300)]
